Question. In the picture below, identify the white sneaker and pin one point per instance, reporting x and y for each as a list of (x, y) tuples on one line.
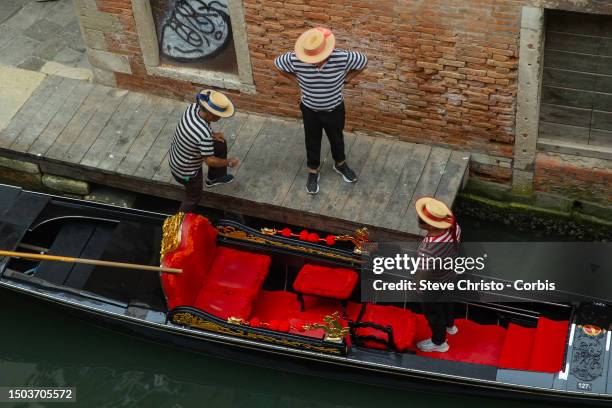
[(452, 330), (429, 346)]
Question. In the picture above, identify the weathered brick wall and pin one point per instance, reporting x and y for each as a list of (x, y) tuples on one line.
[(441, 71), (576, 177)]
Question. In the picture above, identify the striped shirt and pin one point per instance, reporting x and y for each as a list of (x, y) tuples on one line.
[(440, 246), (192, 141), (322, 87)]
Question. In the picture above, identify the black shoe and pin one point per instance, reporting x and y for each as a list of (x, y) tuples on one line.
[(228, 178), (346, 172), (312, 185)]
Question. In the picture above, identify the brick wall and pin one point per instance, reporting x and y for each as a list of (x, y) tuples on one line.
[(576, 177), (441, 71)]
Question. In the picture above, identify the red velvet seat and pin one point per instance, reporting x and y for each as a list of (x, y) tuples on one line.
[(401, 322), (219, 280), (237, 272), (224, 306), (336, 283), (194, 255)]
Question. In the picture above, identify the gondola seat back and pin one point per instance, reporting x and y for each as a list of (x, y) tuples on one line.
[(194, 256), (385, 327)]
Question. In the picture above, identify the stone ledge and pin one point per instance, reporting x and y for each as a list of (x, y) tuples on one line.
[(214, 79), (19, 165), (65, 185), (108, 61)]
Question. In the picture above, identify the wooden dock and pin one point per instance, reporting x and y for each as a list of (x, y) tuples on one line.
[(120, 139)]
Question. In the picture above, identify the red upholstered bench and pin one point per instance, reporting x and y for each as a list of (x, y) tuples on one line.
[(333, 283), (218, 280)]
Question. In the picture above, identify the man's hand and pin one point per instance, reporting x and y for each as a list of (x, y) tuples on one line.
[(232, 162), (218, 136)]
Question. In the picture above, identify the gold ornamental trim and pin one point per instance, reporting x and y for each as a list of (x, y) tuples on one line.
[(233, 232), (332, 327), (171, 238), (187, 319)]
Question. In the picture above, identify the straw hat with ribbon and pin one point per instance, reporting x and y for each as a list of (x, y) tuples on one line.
[(315, 45), (216, 103), (435, 213)]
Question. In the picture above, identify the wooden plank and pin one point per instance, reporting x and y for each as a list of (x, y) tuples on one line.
[(145, 139), (385, 182), (571, 61), (25, 209), (241, 148), (298, 197), (44, 115), (575, 23), (156, 154), (95, 126), (24, 116), (8, 195), (604, 65), (602, 120), (289, 164), (255, 186), (567, 97), (452, 178), (129, 132), (601, 138), (400, 199), (70, 241), (330, 181), (602, 101), (565, 115), (113, 130), (603, 83), (556, 131), (572, 42), (571, 79), (61, 119), (360, 152), (79, 121), (359, 195), (231, 127), (93, 250), (427, 186)]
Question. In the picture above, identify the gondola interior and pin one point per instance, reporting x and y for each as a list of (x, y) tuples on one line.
[(242, 283)]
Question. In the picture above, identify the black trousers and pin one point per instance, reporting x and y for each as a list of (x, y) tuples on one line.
[(439, 315), (195, 184), (314, 123)]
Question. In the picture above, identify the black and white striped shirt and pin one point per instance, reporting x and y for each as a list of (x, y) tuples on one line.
[(192, 141), (322, 87)]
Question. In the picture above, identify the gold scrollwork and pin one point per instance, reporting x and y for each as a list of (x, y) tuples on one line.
[(233, 232), (171, 238), (187, 319)]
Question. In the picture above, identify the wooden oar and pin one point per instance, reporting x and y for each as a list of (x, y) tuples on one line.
[(88, 261)]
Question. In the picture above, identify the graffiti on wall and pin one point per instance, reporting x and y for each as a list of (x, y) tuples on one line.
[(195, 29)]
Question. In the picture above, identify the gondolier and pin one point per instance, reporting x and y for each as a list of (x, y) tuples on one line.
[(441, 241), (321, 70), (194, 142)]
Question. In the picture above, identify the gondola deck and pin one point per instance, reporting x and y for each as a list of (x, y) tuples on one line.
[(133, 302)]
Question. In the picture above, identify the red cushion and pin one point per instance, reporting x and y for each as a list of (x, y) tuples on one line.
[(194, 256), (337, 283), (402, 322), (224, 306), (237, 272), (275, 305), (549, 345), (517, 348)]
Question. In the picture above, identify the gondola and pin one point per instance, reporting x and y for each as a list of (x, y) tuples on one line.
[(289, 300)]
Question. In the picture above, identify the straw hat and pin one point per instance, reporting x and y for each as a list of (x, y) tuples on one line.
[(315, 45), (434, 212), (216, 103)]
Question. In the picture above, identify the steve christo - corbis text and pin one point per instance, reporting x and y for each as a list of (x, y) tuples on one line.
[(404, 263)]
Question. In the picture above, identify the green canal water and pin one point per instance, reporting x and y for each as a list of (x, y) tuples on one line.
[(40, 347)]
